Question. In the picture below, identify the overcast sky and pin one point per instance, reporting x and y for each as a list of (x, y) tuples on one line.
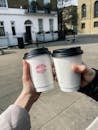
[(46, 1), (65, 3)]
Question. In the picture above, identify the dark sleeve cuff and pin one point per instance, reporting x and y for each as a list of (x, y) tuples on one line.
[(91, 89), (95, 80)]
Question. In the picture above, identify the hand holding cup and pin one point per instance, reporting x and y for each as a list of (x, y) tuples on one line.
[(87, 74)]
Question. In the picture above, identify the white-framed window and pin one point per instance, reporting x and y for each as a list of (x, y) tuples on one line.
[(2, 31), (51, 22), (3, 3), (40, 23), (13, 27)]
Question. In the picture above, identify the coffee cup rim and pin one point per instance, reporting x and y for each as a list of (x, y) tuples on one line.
[(66, 52), (36, 52)]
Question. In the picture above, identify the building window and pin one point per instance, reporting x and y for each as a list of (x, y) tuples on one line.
[(40, 23), (2, 32), (83, 10), (3, 3), (95, 24), (83, 25), (28, 22), (13, 28), (51, 24), (96, 9)]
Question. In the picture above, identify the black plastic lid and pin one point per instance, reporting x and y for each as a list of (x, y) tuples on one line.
[(36, 52), (65, 52)]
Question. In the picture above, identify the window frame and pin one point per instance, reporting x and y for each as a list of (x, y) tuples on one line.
[(13, 28), (82, 25), (4, 3), (96, 9), (2, 29), (83, 11), (95, 24), (40, 25), (51, 24)]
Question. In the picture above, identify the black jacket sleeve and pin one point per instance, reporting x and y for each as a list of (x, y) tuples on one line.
[(91, 89)]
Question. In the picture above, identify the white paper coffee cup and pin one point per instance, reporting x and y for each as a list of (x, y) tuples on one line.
[(40, 69), (68, 80)]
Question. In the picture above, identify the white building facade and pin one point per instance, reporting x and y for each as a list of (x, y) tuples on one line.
[(31, 27)]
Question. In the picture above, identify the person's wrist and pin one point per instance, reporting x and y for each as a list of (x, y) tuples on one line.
[(25, 100), (89, 74), (27, 94)]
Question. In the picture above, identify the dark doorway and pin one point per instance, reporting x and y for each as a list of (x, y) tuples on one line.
[(28, 37)]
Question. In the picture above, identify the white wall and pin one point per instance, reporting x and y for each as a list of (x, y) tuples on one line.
[(8, 15), (5, 10)]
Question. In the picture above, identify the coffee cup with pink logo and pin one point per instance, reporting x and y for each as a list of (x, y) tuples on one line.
[(40, 69)]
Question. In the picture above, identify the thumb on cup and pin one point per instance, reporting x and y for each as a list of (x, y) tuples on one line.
[(79, 68)]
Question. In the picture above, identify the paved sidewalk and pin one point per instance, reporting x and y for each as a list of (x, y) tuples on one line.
[(55, 110)]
